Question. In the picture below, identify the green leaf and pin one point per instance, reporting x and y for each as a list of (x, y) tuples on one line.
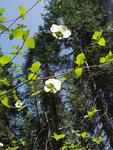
[(2, 27), (25, 34), (30, 43), (22, 108), (86, 116), (15, 65), (84, 134), (35, 67), (17, 71), (21, 26), (102, 42), (3, 92), (16, 47), (19, 54), (110, 53), (40, 0), (12, 148), (18, 33), (2, 10), (11, 36), (91, 113), (109, 56), (78, 72), (58, 137), (24, 143), (5, 60), (4, 81), (2, 19), (32, 76), (37, 92), (97, 35), (22, 12), (98, 140), (5, 102), (22, 79), (63, 79), (80, 59), (102, 60)]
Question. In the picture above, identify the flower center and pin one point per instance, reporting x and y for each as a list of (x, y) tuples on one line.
[(59, 34)]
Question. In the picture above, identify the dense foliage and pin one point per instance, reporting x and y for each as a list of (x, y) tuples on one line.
[(65, 102)]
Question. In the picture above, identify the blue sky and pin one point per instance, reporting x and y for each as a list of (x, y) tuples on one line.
[(33, 20)]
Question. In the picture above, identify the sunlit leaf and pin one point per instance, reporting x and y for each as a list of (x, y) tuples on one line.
[(17, 71), (12, 148), (21, 26), (35, 67), (2, 19), (22, 79), (97, 35), (5, 59), (3, 92), (98, 140), (18, 33), (110, 53), (80, 59), (58, 137), (32, 76), (15, 65), (4, 81), (78, 72), (25, 34), (22, 12), (22, 108), (84, 134), (102, 60), (24, 143), (109, 56), (37, 92), (5, 102), (16, 47), (19, 54), (102, 42), (63, 79), (30, 43), (2, 10), (2, 27), (92, 112)]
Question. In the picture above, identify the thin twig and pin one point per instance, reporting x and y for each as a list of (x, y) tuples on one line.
[(16, 19)]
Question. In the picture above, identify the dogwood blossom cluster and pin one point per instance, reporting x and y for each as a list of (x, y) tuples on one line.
[(60, 31), (18, 104), (52, 85)]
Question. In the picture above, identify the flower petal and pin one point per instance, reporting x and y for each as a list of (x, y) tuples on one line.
[(55, 35), (46, 89), (66, 34), (62, 28), (54, 28)]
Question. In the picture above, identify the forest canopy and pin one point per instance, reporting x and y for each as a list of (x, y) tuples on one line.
[(60, 97)]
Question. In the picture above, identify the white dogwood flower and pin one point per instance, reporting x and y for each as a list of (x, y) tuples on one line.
[(52, 85), (18, 104), (1, 144), (60, 31)]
